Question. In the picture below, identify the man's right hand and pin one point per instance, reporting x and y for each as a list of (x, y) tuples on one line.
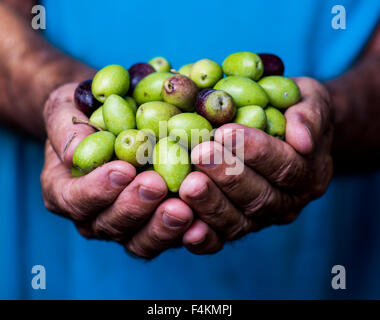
[(111, 202)]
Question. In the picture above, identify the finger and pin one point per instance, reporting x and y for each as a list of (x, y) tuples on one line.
[(134, 206), (245, 188), (166, 228), (272, 158), (308, 120), (201, 239), (58, 114), (81, 198), (85, 229), (212, 207)]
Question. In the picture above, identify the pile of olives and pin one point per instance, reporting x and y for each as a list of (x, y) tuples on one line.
[(152, 114)]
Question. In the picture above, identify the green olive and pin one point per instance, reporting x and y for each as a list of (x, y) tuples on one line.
[(282, 92), (244, 91), (113, 79), (245, 64), (252, 116), (97, 118), (190, 129), (134, 146), (132, 103), (154, 116), (76, 173), (93, 151), (172, 162), (276, 123), (118, 115), (150, 87), (160, 64), (185, 70), (206, 73)]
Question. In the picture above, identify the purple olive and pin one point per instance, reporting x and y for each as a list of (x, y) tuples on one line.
[(216, 106), (137, 72), (180, 91), (84, 99), (273, 65)]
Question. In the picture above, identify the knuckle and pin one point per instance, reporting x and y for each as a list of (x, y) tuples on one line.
[(215, 210), (105, 230), (264, 198), (49, 106), (115, 227), (317, 84), (85, 203), (323, 116), (262, 149), (56, 97), (130, 215), (94, 196), (85, 231), (138, 250), (43, 176), (239, 230), (157, 235), (313, 83), (318, 112), (208, 249), (230, 182), (102, 229), (216, 248), (48, 196), (288, 218), (318, 190), (324, 92), (289, 173), (116, 224), (257, 147), (76, 213), (48, 204), (323, 178), (284, 173)]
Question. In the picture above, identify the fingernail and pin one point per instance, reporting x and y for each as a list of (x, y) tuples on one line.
[(150, 194), (211, 160), (200, 194), (173, 222), (119, 179), (209, 165)]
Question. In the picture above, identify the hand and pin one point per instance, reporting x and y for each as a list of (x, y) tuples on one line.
[(279, 178), (111, 202)]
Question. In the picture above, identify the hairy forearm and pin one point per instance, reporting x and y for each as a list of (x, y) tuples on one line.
[(30, 68), (356, 103)]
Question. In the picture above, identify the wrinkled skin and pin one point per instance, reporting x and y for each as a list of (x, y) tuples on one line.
[(112, 202), (278, 180)]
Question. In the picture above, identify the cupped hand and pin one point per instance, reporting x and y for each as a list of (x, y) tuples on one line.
[(277, 178), (111, 202)]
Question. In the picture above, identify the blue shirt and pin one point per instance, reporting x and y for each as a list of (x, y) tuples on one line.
[(294, 261)]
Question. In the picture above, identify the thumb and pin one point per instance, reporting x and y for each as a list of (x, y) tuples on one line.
[(59, 111), (83, 197)]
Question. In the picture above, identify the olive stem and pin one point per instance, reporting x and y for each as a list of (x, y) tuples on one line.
[(174, 71), (81, 121)]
